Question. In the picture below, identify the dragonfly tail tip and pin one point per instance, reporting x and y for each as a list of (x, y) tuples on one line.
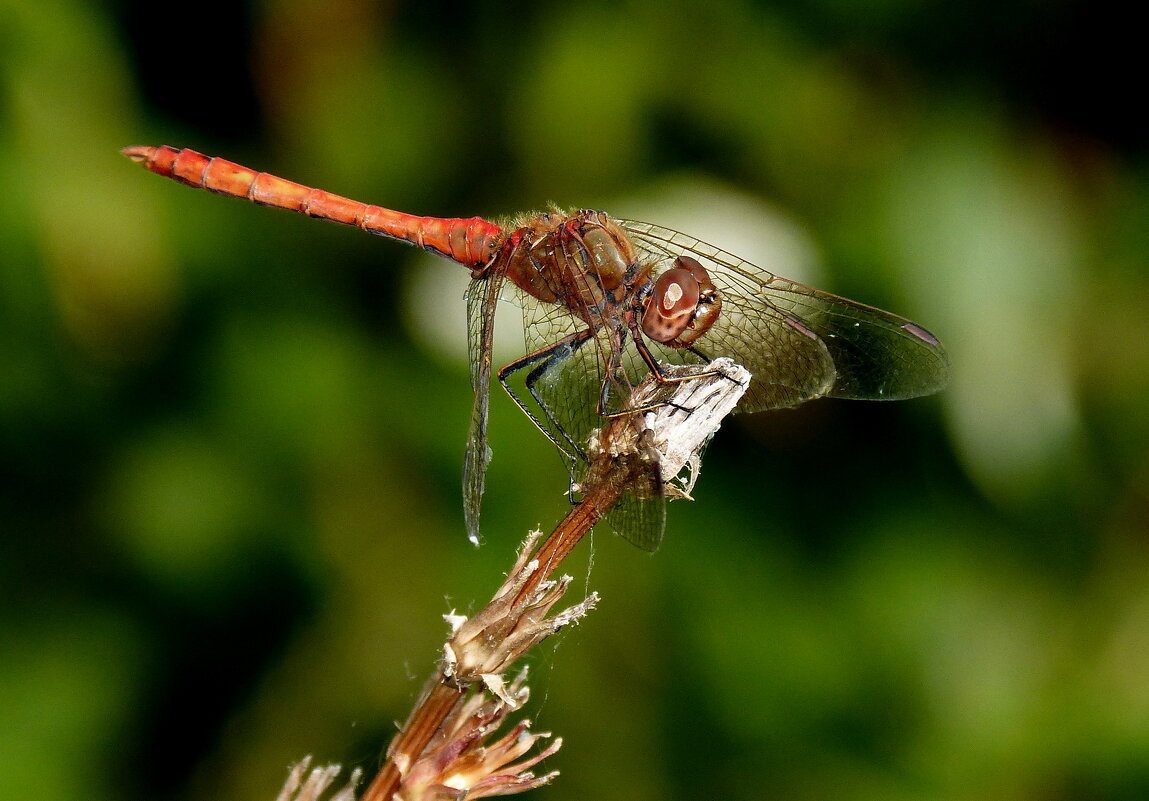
[(138, 153)]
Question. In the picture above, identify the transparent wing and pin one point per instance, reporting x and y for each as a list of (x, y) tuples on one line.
[(564, 389), (482, 298), (798, 342), (639, 521), (579, 367)]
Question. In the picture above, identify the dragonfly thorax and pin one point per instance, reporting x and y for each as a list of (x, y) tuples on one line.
[(583, 261)]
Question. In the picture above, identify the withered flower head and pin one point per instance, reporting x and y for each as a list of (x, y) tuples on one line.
[(460, 763), (486, 645)]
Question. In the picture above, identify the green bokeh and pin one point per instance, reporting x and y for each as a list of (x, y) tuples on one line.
[(231, 438)]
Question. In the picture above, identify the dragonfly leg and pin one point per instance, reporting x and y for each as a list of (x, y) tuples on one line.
[(656, 368), (658, 373), (541, 361)]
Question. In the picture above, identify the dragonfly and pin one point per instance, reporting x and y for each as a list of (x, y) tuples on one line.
[(607, 302)]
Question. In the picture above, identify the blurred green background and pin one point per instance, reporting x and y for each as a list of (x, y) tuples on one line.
[(231, 437)]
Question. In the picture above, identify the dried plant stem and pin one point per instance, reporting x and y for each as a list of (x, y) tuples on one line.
[(568, 533), (445, 691), (425, 719)]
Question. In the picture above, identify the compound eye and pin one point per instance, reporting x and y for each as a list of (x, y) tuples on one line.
[(671, 304)]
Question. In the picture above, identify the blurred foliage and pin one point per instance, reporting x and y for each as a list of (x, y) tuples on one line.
[(230, 438)]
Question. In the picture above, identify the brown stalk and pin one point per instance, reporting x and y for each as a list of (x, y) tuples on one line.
[(445, 691)]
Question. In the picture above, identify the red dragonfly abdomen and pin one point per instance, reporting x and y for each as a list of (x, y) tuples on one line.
[(470, 241)]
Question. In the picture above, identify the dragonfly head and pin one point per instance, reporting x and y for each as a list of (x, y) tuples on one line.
[(682, 304)]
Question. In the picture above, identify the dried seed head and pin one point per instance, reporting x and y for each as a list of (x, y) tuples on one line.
[(459, 762), (483, 647)]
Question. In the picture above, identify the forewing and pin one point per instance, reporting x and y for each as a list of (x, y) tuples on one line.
[(798, 342)]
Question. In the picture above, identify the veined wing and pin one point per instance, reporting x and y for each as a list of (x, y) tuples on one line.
[(799, 342), (562, 393), (482, 299)]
